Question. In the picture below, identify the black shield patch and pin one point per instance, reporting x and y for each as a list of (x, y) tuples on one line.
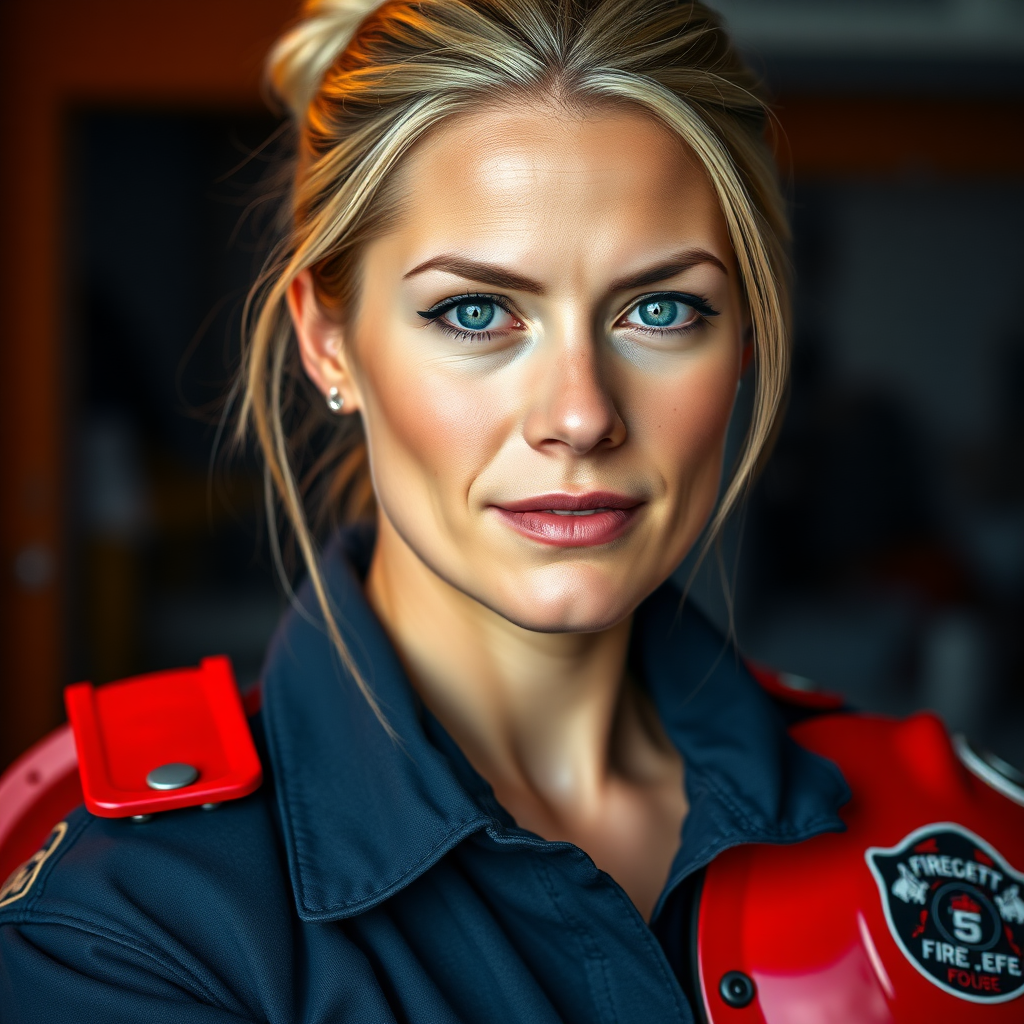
[(956, 909)]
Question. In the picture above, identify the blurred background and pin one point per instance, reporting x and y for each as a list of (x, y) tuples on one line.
[(881, 554)]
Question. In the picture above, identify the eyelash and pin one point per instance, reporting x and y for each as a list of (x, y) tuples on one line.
[(434, 314), (700, 305)]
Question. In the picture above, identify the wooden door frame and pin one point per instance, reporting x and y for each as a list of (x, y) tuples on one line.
[(56, 57)]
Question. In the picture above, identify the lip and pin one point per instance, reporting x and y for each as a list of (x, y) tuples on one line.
[(537, 517)]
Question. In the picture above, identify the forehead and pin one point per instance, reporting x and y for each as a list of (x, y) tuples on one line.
[(533, 180)]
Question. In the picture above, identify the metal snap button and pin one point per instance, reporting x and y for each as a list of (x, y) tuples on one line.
[(737, 989), (172, 776)]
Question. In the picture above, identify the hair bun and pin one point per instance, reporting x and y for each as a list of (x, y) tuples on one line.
[(300, 58)]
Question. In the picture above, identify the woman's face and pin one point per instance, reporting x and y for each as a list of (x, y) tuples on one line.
[(545, 356)]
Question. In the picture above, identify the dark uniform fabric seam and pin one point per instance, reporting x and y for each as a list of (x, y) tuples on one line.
[(286, 787), (727, 840), (289, 783), (181, 974), (457, 833), (647, 937), (757, 822), (808, 830), (607, 1011), (727, 795), (406, 874)]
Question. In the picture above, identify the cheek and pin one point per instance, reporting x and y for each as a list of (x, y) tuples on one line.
[(432, 425), (683, 421)]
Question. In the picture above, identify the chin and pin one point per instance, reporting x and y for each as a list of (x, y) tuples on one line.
[(557, 599)]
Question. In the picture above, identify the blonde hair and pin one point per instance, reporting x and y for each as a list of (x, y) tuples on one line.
[(364, 83)]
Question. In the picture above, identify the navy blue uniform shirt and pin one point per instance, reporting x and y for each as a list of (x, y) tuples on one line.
[(369, 881)]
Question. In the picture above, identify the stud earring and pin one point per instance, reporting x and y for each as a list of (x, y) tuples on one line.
[(335, 401)]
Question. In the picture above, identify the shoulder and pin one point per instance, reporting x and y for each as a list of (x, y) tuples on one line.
[(796, 698), (152, 904), (928, 830), (892, 758)]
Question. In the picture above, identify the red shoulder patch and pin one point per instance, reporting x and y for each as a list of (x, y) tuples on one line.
[(163, 741)]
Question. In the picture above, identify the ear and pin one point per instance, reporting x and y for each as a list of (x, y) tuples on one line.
[(321, 342)]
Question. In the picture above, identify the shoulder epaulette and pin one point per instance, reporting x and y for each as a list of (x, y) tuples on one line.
[(163, 741)]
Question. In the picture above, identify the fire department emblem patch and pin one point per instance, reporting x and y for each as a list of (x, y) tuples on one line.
[(24, 877), (956, 909)]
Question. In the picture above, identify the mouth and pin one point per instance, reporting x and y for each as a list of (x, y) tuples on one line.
[(571, 520)]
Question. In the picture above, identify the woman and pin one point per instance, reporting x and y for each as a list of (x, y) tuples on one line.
[(534, 245)]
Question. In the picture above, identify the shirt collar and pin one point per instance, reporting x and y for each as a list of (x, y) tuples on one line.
[(747, 780), (363, 815)]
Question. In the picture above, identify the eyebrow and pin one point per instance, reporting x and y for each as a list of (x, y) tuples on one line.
[(674, 265), (485, 273), (500, 277)]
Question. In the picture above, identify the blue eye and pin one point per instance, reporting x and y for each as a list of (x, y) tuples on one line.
[(475, 316), (479, 318), (668, 312), (659, 313)]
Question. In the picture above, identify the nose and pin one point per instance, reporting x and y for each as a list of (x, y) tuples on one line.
[(572, 405)]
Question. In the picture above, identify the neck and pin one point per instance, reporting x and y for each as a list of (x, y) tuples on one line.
[(535, 713)]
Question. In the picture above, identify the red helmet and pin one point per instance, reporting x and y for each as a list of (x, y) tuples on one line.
[(914, 914)]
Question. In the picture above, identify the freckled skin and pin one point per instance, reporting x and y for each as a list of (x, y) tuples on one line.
[(519, 647)]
